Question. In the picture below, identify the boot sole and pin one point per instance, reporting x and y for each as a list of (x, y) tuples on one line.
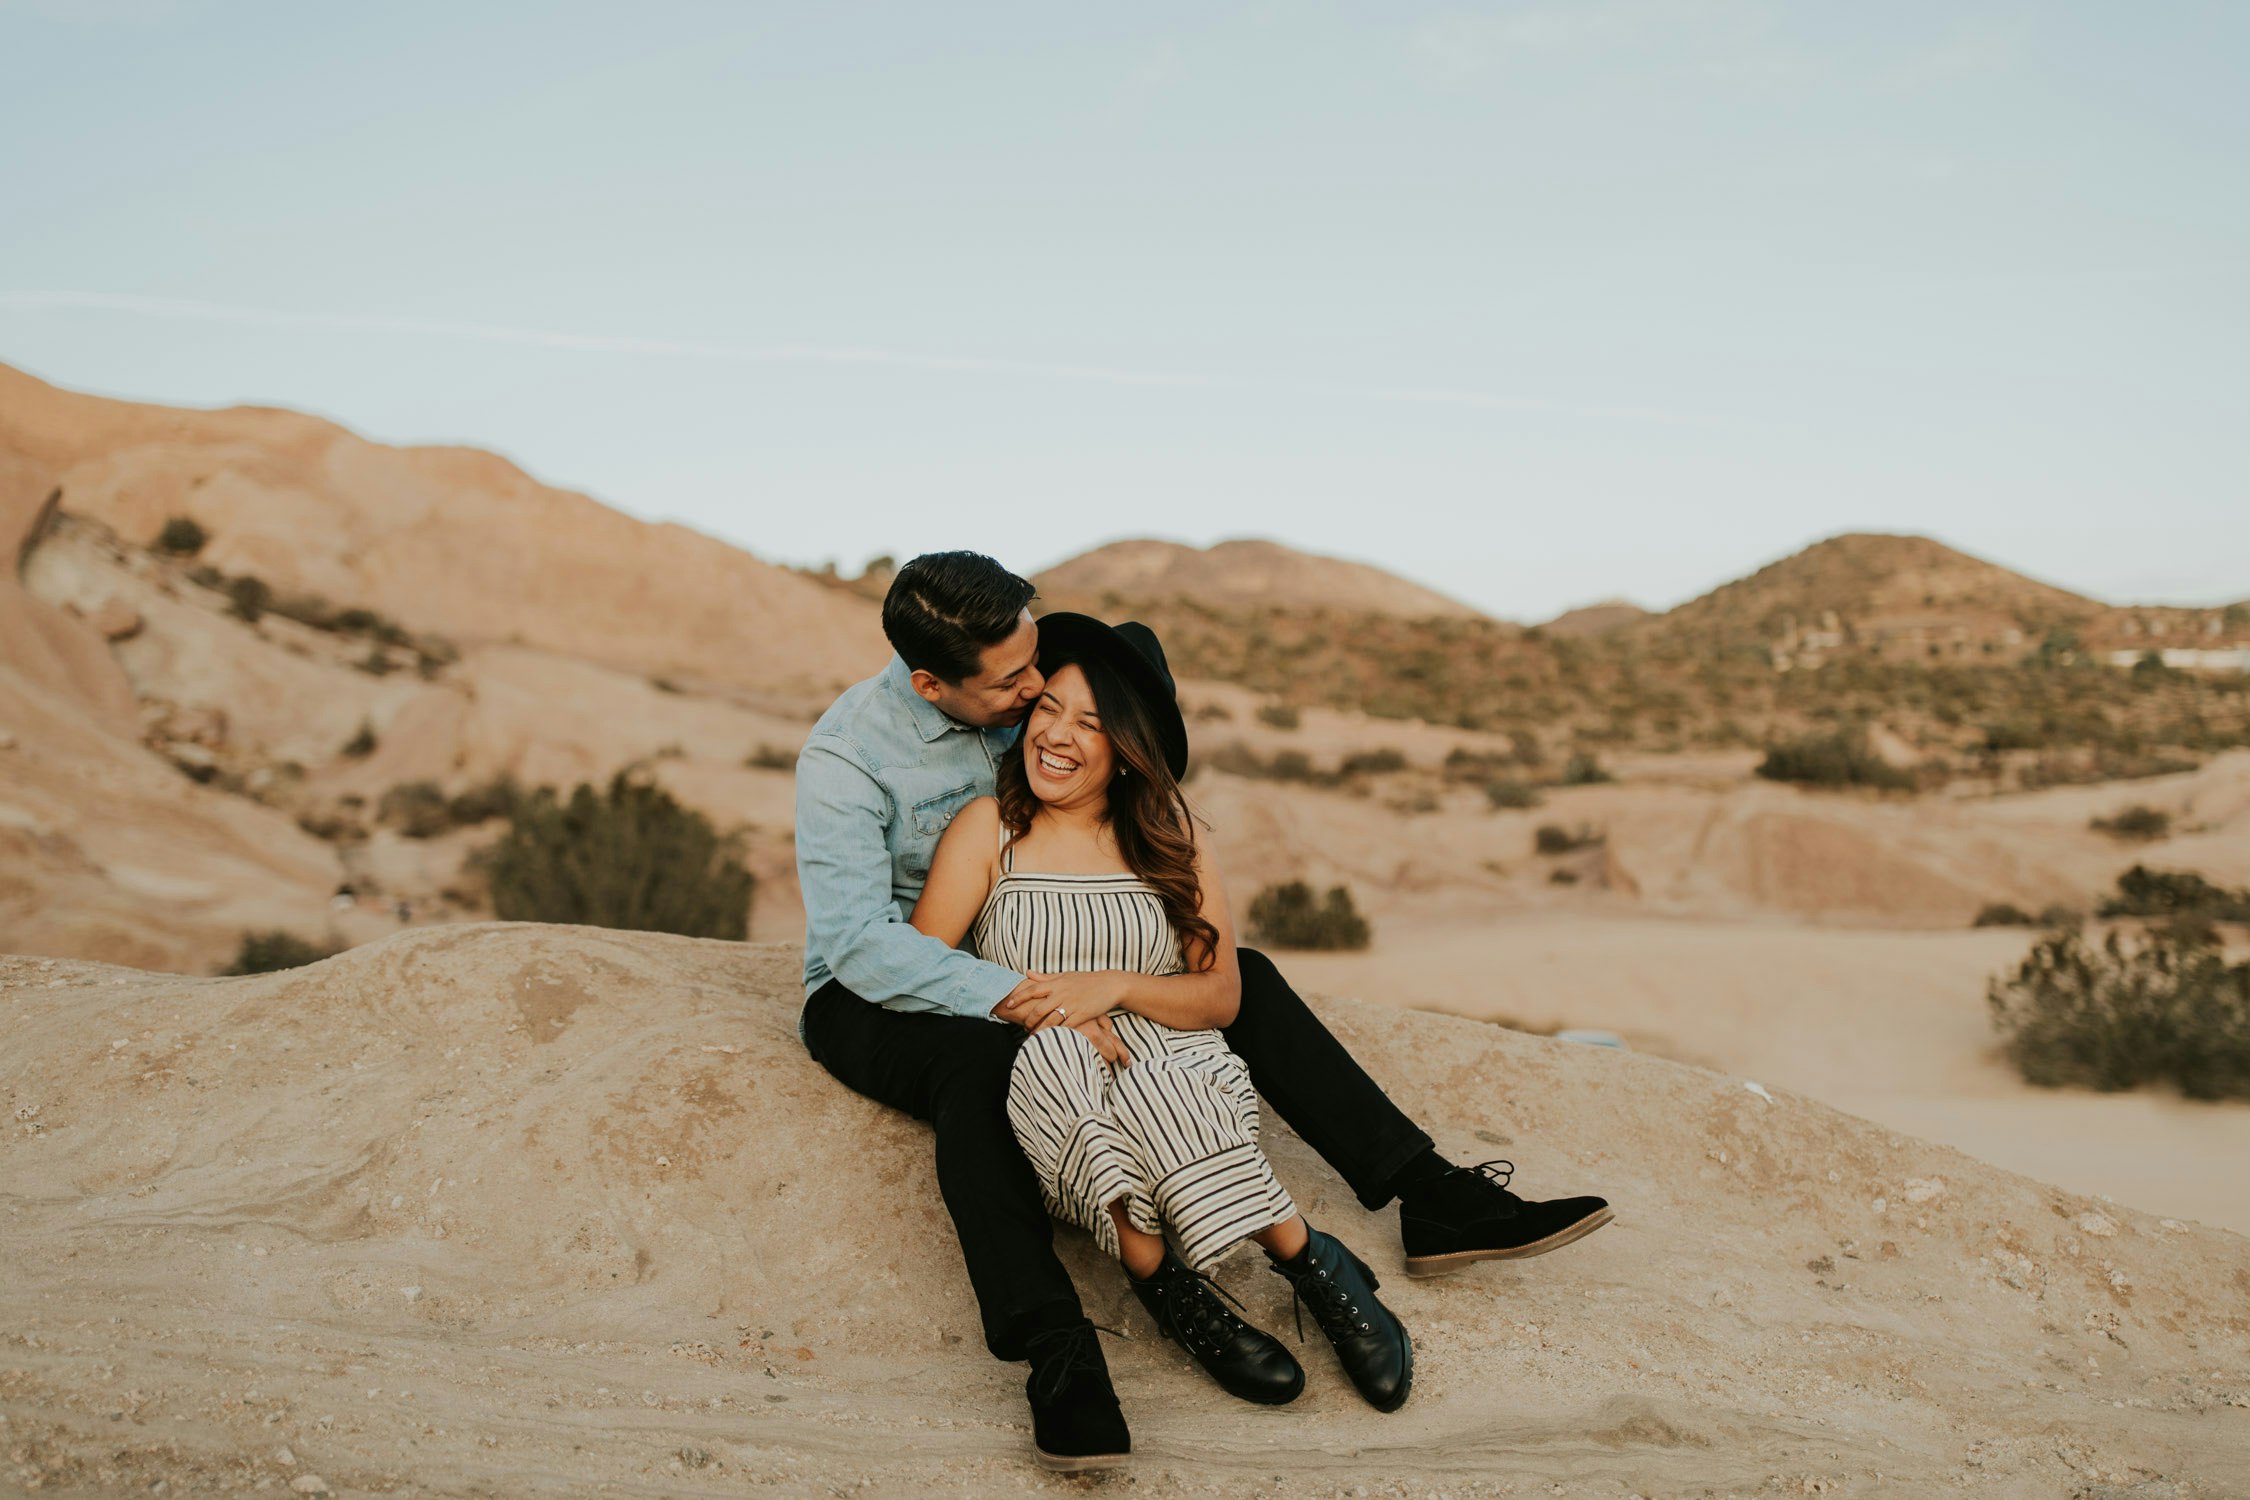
[(1084, 1463), (1443, 1265)]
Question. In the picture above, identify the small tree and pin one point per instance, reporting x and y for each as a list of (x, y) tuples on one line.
[(1290, 916), (629, 856), (181, 537)]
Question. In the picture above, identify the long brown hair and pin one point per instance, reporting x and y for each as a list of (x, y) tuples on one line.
[(1148, 815)]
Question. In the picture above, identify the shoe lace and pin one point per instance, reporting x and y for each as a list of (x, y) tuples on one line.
[(1498, 1172), (1334, 1312), (1202, 1315), (1060, 1355)]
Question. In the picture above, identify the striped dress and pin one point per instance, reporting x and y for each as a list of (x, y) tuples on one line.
[(1175, 1133)]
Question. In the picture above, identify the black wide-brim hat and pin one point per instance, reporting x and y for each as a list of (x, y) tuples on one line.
[(1134, 653)]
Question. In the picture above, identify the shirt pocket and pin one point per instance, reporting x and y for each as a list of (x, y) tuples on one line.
[(933, 815)]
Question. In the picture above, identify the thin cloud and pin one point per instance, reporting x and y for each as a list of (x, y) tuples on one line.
[(241, 316)]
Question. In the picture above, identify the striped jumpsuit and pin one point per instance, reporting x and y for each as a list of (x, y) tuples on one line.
[(1175, 1134)]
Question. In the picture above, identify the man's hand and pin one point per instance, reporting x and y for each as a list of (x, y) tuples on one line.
[(1027, 1000)]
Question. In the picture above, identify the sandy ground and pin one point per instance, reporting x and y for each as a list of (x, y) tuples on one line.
[(1891, 1026), (496, 1210)]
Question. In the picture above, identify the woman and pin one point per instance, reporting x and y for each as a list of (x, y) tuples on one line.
[(1142, 1126)]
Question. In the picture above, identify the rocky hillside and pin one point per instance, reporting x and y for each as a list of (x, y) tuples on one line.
[(452, 542), (503, 1209), (1234, 575)]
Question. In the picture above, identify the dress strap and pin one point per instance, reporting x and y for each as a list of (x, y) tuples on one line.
[(1007, 852)]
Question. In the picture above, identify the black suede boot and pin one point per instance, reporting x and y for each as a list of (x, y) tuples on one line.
[(1370, 1341), (1187, 1307), (1075, 1421), (1467, 1214)]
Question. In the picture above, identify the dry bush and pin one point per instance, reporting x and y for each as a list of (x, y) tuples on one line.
[(2140, 822), (1553, 838), (416, 809), (629, 856), (1840, 758), (2143, 892), (771, 758), (266, 952), (1290, 916), (2170, 1009), (2004, 914), (1509, 792), (182, 536), (1383, 761), (1279, 716), (1583, 769), (248, 597)]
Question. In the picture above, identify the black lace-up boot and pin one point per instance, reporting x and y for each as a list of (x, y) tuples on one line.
[(1467, 1214), (1075, 1421), (1340, 1292), (1187, 1307)]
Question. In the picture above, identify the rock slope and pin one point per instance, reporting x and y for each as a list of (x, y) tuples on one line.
[(516, 1210)]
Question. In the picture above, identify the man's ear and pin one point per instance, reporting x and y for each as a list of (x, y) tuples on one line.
[(926, 683)]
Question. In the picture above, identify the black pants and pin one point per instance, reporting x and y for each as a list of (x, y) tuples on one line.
[(953, 1072)]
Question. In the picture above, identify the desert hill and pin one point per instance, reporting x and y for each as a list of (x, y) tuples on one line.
[(1913, 599), (457, 543), (1236, 574), (504, 1209), (1596, 619)]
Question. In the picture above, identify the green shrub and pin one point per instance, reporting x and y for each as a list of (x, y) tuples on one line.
[(247, 597), (1841, 758), (628, 857), (1508, 792), (1553, 838), (1279, 716), (266, 952), (1289, 916), (2115, 1017), (1583, 769), (181, 537), (2140, 821), (2142, 892), (2003, 914)]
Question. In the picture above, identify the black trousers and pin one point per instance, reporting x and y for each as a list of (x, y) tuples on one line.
[(953, 1072)]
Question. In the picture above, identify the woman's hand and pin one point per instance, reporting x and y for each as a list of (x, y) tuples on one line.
[(1071, 999), (1105, 1040)]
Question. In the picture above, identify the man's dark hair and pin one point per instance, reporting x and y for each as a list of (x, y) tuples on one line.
[(945, 608)]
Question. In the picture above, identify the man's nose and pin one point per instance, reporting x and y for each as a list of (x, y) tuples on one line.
[(1033, 685)]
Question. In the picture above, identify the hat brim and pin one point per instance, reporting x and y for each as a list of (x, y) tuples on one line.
[(1065, 637)]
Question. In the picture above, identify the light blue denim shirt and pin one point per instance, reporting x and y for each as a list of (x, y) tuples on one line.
[(881, 776)]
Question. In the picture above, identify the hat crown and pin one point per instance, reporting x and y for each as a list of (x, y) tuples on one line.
[(1143, 640)]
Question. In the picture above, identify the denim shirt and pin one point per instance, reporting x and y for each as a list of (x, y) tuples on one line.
[(881, 776)]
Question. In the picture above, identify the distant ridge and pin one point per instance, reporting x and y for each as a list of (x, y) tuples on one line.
[(1243, 572)]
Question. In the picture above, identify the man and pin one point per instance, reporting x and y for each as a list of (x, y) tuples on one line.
[(932, 1030)]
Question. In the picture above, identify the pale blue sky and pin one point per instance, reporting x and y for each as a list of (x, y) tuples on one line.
[(1532, 302)]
